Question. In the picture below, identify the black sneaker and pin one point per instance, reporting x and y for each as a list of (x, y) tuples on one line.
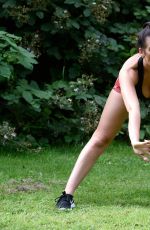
[(65, 202)]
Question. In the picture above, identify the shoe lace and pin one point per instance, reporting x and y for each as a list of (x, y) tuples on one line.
[(67, 196), (58, 198)]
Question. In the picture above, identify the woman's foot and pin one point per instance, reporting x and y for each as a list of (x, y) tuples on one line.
[(65, 202)]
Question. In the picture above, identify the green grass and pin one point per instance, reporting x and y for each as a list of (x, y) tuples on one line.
[(115, 194)]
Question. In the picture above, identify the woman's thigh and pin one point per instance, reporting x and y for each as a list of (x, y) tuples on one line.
[(112, 117)]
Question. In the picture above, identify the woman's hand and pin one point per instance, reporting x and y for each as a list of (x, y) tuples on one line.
[(142, 149)]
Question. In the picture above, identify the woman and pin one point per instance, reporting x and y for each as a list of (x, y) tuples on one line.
[(132, 84)]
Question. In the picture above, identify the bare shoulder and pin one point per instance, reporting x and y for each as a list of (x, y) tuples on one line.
[(129, 68), (131, 63)]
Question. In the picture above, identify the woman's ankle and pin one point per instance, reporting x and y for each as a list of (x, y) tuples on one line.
[(68, 191)]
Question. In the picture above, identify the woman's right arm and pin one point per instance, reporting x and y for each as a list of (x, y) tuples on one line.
[(128, 79), (127, 84)]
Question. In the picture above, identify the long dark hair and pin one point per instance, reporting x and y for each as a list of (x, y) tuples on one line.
[(145, 32)]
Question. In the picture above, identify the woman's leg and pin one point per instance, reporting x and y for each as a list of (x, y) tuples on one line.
[(114, 114)]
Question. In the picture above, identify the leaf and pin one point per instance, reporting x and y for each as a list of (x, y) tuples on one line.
[(78, 3), (74, 23), (147, 8), (133, 51), (12, 98), (4, 35), (10, 43), (100, 100), (59, 12), (148, 129), (27, 96), (42, 94), (113, 45), (36, 106), (89, 32), (40, 14), (9, 3), (34, 85), (25, 58), (83, 96), (5, 70), (3, 45), (142, 134), (46, 27), (60, 84), (87, 12), (17, 54), (70, 1)]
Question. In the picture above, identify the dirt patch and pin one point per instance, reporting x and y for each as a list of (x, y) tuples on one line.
[(23, 185), (57, 182)]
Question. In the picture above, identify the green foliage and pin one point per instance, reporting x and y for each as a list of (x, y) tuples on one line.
[(62, 111), (80, 101), (77, 43), (11, 54), (145, 113), (61, 89), (13, 59), (60, 30), (7, 133)]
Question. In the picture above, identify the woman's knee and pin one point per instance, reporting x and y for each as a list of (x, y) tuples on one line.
[(101, 141)]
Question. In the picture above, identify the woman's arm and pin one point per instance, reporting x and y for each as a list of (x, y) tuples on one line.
[(128, 79)]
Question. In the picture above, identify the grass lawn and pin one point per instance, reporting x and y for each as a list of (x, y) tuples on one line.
[(115, 194)]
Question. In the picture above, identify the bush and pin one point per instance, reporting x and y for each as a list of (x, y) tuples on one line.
[(56, 32), (7, 133), (75, 46)]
